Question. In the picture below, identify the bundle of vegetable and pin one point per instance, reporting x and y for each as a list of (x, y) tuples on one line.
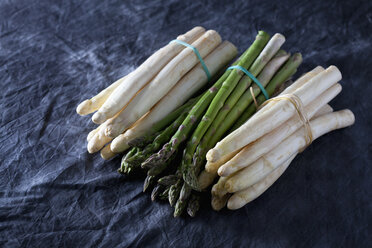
[(252, 158), (201, 124), (138, 101)]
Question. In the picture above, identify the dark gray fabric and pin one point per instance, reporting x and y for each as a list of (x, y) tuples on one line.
[(53, 54)]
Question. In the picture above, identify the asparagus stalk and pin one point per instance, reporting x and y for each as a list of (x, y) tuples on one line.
[(174, 192), (149, 180), (156, 192), (273, 115), (290, 146), (182, 200), (255, 150), (124, 165), (93, 104), (193, 205), (165, 194), (229, 114), (142, 75), (168, 180), (199, 108), (106, 152)]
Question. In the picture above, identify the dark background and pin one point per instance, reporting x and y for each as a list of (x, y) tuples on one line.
[(53, 54)]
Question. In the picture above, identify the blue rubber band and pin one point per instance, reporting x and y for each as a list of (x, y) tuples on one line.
[(197, 55), (252, 77)]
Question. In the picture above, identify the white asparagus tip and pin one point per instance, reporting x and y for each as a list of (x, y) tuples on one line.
[(119, 144), (279, 36), (106, 153), (348, 120), (83, 107), (213, 155), (99, 117)]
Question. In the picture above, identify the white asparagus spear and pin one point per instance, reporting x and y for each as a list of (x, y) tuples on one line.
[(93, 104), (219, 202), (241, 198), (290, 146), (207, 176), (92, 133), (269, 141), (186, 87), (162, 83), (273, 115), (326, 109), (213, 166), (106, 152), (142, 76), (98, 140)]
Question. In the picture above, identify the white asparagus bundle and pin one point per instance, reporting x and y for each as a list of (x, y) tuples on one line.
[(241, 198), (93, 104), (136, 80), (272, 115), (183, 90), (162, 83), (266, 143), (220, 195), (290, 146)]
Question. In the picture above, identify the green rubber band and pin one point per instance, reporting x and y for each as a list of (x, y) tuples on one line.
[(197, 55), (252, 77)]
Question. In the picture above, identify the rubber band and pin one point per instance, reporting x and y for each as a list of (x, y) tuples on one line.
[(253, 97), (299, 106), (252, 77), (205, 68)]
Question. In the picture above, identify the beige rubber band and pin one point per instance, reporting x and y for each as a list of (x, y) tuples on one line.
[(253, 96), (297, 103)]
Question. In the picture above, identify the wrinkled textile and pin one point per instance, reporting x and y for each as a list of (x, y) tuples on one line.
[(54, 54)]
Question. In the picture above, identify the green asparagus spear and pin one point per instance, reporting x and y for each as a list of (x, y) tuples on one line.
[(165, 194), (124, 168), (156, 191), (148, 181), (168, 180), (193, 205), (174, 192), (203, 103), (180, 207)]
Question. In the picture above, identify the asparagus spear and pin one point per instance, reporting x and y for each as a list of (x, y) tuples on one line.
[(168, 180), (165, 194), (182, 200), (221, 124), (156, 191), (174, 192), (199, 108), (148, 181), (193, 205), (124, 168)]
